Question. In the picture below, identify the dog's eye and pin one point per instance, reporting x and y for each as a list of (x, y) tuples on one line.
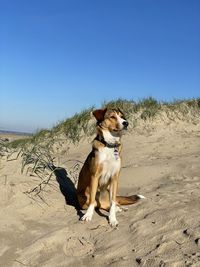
[(112, 117)]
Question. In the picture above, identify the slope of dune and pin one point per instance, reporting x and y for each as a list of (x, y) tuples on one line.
[(160, 161)]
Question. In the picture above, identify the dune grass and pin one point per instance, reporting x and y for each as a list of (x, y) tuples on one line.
[(79, 125), (74, 126), (38, 151), (19, 143)]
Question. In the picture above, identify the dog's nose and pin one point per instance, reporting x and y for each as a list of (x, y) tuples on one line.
[(125, 123)]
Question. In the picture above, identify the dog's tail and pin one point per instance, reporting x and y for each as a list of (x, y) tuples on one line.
[(129, 200)]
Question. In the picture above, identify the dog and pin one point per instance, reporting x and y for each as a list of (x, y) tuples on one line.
[(98, 178)]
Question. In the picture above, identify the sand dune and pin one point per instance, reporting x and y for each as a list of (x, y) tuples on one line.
[(161, 230)]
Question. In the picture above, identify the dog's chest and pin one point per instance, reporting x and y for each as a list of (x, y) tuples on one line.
[(110, 160)]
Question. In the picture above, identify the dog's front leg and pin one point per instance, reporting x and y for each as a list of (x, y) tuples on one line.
[(113, 194), (93, 189)]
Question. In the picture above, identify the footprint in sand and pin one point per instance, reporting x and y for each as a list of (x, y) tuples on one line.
[(192, 259), (194, 234), (78, 246)]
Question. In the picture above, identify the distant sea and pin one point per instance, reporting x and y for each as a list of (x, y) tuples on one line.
[(14, 132)]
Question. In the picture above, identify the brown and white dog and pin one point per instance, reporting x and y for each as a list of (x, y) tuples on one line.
[(98, 179)]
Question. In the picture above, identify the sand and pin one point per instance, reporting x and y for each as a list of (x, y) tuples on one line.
[(12, 136), (161, 230)]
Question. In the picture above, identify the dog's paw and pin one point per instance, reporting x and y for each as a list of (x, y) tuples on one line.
[(86, 217), (113, 222), (89, 213)]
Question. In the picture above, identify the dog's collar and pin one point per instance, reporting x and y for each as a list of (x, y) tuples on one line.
[(109, 145)]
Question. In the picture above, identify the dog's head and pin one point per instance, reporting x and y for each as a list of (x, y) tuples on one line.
[(111, 119)]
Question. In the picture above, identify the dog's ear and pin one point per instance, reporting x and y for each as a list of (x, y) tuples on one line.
[(99, 114)]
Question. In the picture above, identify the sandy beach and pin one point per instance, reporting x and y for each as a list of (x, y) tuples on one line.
[(77, 76), (161, 230)]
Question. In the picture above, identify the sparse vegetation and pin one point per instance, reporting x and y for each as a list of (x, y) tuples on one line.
[(38, 160), (38, 151), (18, 143), (150, 108), (41, 134), (75, 128), (3, 147)]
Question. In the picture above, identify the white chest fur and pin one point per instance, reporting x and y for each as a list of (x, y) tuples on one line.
[(110, 161)]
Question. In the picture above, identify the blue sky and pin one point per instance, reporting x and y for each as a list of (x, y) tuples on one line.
[(60, 56)]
